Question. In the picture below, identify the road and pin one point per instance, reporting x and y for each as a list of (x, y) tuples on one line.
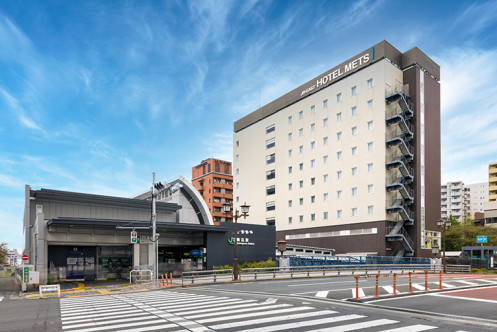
[(259, 306)]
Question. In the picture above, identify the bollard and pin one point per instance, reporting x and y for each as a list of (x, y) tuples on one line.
[(440, 287), (171, 274), (395, 284), (410, 283), (426, 281), (357, 287), (376, 289), (162, 276)]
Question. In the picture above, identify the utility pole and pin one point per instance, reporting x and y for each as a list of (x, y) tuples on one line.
[(154, 231)]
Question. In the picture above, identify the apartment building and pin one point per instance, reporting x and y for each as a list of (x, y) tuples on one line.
[(478, 195), (455, 200), (214, 180), (349, 160), (492, 182)]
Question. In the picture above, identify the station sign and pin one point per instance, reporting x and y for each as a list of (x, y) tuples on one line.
[(481, 239)]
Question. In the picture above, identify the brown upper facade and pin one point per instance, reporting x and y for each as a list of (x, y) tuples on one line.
[(378, 52)]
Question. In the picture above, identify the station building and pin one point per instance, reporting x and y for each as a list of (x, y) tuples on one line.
[(349, 160), (80, 236)]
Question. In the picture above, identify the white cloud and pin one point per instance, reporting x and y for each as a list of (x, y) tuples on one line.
[(219, 146)]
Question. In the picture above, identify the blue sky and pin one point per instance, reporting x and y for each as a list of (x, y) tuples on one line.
[(97, 95)]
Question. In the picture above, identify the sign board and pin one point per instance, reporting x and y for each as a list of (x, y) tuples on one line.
[(481, 239), (25, 274), (25, 257), (34, 277)]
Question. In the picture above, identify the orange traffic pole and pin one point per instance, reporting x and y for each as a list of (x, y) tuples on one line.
[(171, 274), (376, 289), (440, 286), (162, 281), (426, 280), (410, 283), (167, 280), (395, 284), (357, 287)]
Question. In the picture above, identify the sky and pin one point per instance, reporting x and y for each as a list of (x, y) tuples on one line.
[(97, 95)]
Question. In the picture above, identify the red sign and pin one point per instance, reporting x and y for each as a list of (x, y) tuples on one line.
[(24, 257)]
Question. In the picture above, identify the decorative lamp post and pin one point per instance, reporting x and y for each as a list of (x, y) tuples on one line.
[(444, 225), (245, 209), (282, 247)]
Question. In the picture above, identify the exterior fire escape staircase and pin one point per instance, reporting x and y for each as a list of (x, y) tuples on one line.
[(399, 134)]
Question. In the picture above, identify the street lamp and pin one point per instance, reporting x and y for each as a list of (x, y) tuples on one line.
[(444, 225), (236, 215)]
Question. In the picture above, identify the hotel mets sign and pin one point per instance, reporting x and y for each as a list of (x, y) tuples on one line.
[(337, 72)]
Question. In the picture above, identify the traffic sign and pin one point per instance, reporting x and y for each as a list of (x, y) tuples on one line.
[(481, 239), (25, 257)]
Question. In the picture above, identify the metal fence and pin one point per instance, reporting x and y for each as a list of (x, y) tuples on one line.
[(354, 260)]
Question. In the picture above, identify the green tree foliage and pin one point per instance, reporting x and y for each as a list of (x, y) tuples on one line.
[(465, 233), (3, 253)]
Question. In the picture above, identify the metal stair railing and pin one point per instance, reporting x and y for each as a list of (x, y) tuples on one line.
[(405, 238), (396, 180), (401, 159)]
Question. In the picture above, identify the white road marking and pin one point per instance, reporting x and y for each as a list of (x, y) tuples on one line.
[(467, 282), (418, 287), (301, 324), (1, 298), (354, 293), (321, 283), (357, 326), (236, 311), (464, 298), (322, 294), (109, 314), (388, 289), (270, 319), (488, 281), (446, 285), (412, 328), (242, 316), (219, 308)]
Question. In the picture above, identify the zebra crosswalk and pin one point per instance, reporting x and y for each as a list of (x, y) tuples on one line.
[(183, 311), (1, 298)]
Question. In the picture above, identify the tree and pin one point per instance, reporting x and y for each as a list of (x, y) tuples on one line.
[(465, 234), (3, 253)]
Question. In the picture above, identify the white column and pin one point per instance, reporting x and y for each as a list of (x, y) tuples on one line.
[(136, 255)]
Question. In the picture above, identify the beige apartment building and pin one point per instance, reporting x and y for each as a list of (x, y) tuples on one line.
[(492, 182), (349, 160)]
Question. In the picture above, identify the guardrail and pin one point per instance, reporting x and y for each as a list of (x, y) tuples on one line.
[(140, 275), (49, 288), (315, 271)]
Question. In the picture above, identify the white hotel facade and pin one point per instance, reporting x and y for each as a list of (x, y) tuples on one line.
[(349, 160)]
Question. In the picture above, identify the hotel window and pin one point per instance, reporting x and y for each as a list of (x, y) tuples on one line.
[(237, 199), (370, 104), (325, 122), (313, 181), (301, 218), (339, 155), (325, 140), (313, 145), (353, 111), (236, 158), (325, 215), (301, 166), (339, 116), (370, 146), (270, 143), (370, 167), (290, 186), (339, 136), (270, 174), (325, 103), (354, 191), (290, 119), (237, 143), (313, 109), (369, 83), (301, 149), (290, 153), (354, 150), (354, 212), (301, 131), (370, 209), (290, 136), (339, 174), (289, 169), (313, 199), (339, 194), (270, 221), (353, 90), (301, 114), (271, 190), (370, 188), (325, 178), (269, 159), (339, 97), (313, 162), (339, 214), (237, 185), (370, 125), (313, 217), (301, 201), (290, 203), (325, 159), (301, 183), (270, 206), (289, 220), (354, 171), (354, 131), (270, 128), (325, 197), (313, 126)]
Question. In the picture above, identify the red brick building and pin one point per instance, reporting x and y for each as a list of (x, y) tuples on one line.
[(213, 178)]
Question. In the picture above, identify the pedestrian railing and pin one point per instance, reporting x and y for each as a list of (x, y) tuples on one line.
[(140, 276), (208, 276)]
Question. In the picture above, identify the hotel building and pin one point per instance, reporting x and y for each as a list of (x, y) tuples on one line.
[(349, 160)]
